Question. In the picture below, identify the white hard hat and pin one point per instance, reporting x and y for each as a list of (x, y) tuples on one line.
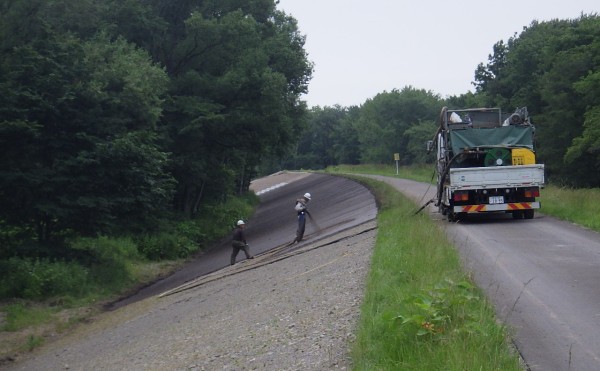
[(307, 196), (240, 222)]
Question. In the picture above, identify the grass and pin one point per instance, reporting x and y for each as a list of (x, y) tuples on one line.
[(579, 206), (422, 173), (40, 298), (26, 324), (421, 312)]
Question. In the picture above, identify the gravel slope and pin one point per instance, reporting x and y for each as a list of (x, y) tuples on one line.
[(290, 312)]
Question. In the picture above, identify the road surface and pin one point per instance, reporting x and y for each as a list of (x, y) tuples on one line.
[(543, 276)]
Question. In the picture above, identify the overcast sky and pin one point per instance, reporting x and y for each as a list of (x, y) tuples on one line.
[(363, 47)]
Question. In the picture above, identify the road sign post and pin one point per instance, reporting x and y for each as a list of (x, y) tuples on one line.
[(396, 158)]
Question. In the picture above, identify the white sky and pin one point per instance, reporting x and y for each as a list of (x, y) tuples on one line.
[(363, 47)]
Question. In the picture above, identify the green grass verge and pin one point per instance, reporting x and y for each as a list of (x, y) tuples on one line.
[(423, 173), (421, 312), (580, 206)]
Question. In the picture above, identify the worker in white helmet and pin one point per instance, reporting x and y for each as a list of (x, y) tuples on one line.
[(302, 210), (239, 242)]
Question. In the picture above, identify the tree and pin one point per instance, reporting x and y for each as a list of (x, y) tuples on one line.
[(234, 97), (540, 69), (384, 120), (71, 111), (316, 148), (585, 149), (416, 142)]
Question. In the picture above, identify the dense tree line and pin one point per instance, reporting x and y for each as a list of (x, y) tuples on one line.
[(553, 68), (113, 112)]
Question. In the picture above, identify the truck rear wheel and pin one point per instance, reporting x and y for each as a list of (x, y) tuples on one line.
[(517, 214), (451, 216), (528, 213)]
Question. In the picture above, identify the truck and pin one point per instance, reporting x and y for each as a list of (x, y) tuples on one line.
[(486, 163)]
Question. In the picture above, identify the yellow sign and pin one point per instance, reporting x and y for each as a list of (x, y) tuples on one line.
[(396, 157)]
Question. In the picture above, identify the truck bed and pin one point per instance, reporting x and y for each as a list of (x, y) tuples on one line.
[(496, 177)]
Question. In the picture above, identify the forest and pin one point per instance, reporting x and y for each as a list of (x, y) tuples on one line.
[(552, 68), (118, 117)]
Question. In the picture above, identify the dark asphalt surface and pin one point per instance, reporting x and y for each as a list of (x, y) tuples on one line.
[(337, 204)]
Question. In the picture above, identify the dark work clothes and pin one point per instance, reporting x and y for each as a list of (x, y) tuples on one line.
[(238, 235), (239, 243), (302, 211), (301, 226)]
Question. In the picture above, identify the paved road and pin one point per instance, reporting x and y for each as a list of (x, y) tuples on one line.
[(543, 276)]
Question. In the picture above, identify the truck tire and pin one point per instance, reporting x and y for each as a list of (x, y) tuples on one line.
[(528, 213), (517, 214)]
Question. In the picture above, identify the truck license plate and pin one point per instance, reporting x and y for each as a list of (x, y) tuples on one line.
[(496, 200)]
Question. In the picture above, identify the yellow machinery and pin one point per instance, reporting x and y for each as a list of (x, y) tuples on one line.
[(522, 156)]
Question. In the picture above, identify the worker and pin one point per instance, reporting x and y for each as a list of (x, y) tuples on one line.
[(239, 242), (301, 209)]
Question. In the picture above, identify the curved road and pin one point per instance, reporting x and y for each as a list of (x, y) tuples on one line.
[(543, 276)]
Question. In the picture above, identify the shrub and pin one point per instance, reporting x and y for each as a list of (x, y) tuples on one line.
[(165, 246), (40, 278), (111, 263)]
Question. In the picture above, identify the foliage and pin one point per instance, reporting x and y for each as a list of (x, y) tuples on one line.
[(420, 173), (586, 147), (384, 120), (37, 279), (19, 316), (163, 246), (580, 206), (416, 140), (441, 309), (78, 121), (394, 122), (551, 68), (420, 312), (115, 113), (328, 139), (63, 292), (236, 80)]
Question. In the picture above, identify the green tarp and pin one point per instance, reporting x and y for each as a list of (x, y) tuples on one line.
[(505, 136)]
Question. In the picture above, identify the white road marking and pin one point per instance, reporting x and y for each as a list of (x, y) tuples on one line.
[(270, 188)]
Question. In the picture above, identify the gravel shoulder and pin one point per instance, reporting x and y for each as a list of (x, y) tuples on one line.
[(297, 310)]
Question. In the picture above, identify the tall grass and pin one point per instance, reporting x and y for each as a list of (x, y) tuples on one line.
[(34, 291), (580, 206), (421, 173), (421, 312)]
